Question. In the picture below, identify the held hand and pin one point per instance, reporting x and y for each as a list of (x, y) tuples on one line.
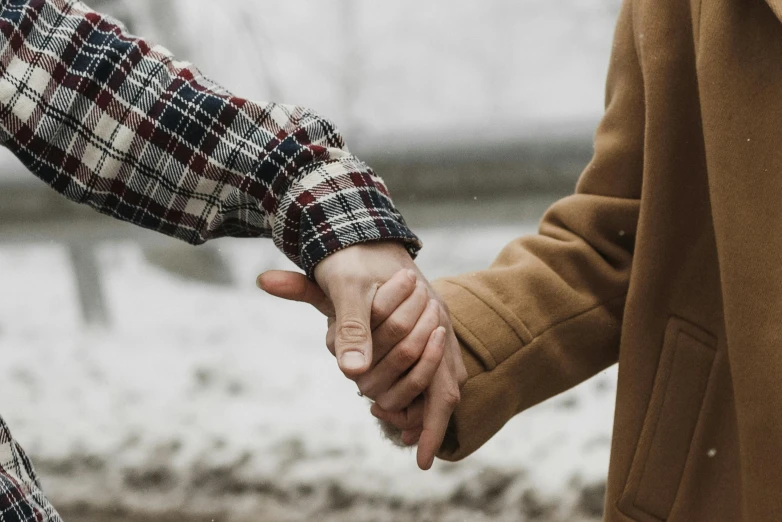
[(403, 320), (348, 281), (425, 421), (408, 344), (406, 334), (397, 307)]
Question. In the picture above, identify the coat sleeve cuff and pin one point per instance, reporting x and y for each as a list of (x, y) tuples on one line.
[(338, 204), (479, 329), (509, 370)]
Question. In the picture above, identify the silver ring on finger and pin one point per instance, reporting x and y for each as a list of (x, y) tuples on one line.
[(362, 395)]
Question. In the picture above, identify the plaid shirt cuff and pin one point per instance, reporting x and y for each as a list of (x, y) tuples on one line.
[(339, 204)]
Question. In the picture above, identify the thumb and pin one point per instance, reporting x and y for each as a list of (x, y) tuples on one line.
[(295, 287), (353, 336)]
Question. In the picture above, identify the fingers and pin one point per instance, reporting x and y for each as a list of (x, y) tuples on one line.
[(403, 428), (401, 321), (411, 437), (402, 357), (392, 294), (411, 418), (351, 296), (295, 287), (420, 377), (441, 399), (353, 336)]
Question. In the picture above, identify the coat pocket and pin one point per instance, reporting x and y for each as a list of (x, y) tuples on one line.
[(677, 397)]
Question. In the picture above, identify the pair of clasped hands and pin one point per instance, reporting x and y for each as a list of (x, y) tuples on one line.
[(390, 333)]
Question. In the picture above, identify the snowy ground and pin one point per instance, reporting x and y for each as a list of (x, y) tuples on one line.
[(220, 402)]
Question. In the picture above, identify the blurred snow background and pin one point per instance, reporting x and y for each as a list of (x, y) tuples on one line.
[(216, 400), (150, 380), (441, 69)]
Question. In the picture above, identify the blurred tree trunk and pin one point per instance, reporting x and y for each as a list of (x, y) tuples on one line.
[(89, 286)]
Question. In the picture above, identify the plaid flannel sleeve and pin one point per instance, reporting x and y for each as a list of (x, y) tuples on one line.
[(115, 122), (21, 498)]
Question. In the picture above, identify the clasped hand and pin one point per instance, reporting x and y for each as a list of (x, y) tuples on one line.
[(391, 334)]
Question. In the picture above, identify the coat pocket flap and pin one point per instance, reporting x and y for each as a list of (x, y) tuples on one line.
[(679, 388)]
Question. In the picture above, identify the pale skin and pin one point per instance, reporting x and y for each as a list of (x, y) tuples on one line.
[(390, 333)]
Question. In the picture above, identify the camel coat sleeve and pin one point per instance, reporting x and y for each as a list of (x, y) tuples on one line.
[(547, 314)]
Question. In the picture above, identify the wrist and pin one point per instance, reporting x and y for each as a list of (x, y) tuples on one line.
[(380, 258)]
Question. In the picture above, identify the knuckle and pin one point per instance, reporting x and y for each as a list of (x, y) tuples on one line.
[(403, 286), (406, 356), (352, 332), (388, 403), (397, 328), (452, 397), (382, 401), (417, 384)]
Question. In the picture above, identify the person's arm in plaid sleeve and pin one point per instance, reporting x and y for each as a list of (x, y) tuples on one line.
[(110, 120)]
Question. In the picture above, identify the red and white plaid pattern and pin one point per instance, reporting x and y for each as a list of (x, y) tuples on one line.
[(115, 122)]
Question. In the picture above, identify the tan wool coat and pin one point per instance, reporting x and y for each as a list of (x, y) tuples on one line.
[(667, 260)]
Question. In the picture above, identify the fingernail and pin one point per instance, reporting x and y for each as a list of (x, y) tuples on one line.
[(352, 361), (412, 275), (439, 335)]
